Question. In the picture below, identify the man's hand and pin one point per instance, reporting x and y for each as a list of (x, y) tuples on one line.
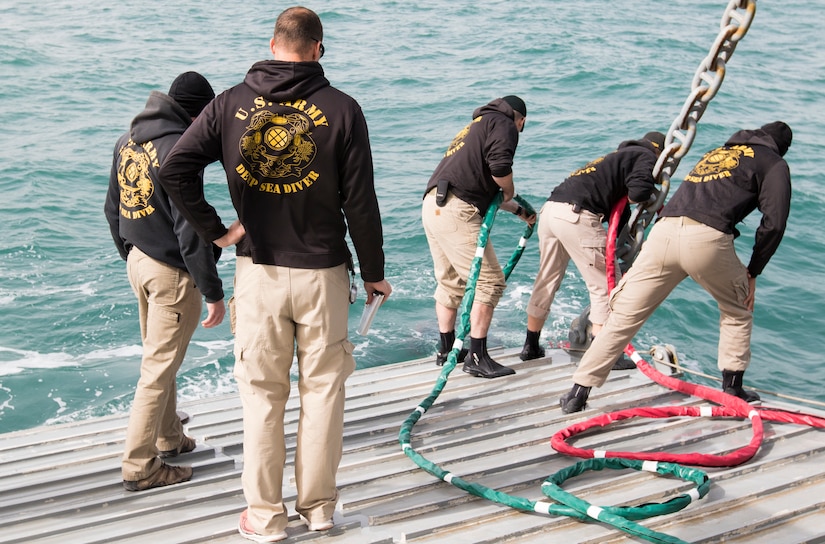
[(214, 314), (233, 235), (515, 208), (530, 219), (372, 287), (751, 298), (522, 214)]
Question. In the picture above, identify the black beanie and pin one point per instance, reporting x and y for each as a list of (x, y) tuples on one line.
[(781, 134), (192, 92), (517, 104), (657, 139)]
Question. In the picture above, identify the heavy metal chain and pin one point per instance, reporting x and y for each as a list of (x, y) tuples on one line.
[(706, 82)]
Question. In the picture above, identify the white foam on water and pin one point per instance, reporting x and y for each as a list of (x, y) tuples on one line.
[(14, 361)]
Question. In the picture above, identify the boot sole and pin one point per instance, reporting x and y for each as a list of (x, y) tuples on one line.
[(478, 374), (530, 356)]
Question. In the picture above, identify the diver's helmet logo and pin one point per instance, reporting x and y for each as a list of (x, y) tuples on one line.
[(278, 146), (136, 187), (718, 160)]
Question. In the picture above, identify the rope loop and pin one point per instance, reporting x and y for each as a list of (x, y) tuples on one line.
[(622, 515)]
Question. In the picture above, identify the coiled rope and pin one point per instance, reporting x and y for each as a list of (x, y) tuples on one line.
[(730, 406)]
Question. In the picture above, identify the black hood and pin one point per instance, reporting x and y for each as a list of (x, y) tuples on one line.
[(781, 134), (647, 144), (161, 116), (278, 80), (758, 137), (498, 105)]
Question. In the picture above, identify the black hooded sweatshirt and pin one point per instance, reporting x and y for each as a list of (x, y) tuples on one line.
[(600, 184), (296, 153), (481, 150), (137, 208), (733, 180)]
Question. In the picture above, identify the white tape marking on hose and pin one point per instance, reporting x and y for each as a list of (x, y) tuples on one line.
[(594, 511), (650, 466), (542, 507)]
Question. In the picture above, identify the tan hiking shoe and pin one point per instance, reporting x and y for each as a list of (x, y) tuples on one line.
[(186, 445), (166, 475)]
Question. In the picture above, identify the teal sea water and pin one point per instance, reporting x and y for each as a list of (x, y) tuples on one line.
[(592, 74)]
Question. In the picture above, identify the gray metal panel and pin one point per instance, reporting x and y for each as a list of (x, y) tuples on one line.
[(62, 483)]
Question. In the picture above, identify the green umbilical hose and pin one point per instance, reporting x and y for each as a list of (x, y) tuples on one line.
[(568, 505)]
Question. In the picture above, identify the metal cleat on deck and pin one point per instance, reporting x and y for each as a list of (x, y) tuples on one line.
[(666, 355)]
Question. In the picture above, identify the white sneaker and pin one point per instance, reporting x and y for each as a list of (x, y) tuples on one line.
[(318, 525), (249, 533)]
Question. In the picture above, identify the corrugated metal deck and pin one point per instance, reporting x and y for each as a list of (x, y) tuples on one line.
[(61, 484)]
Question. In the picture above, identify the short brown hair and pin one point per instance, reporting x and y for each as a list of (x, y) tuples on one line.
[(298, 28)]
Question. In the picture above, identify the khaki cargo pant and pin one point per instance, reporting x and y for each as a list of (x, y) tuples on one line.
[(565, 235), (280, 311), (676, 248), (169, 308), (452, 234)]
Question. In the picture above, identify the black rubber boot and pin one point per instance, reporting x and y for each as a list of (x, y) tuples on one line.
[(447, 341), (732, 385), (441, 358), (480, 364), (623, 363), (575, 399), (531, 349)]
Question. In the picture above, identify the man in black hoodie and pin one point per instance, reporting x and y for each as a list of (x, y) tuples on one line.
[(298, 164), (477, 166), (169, 268), (570, 227), (694, 237)]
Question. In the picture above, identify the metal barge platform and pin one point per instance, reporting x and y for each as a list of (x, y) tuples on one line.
[(61, 483)]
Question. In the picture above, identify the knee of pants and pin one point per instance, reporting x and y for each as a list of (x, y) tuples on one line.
[(599, 310), (447, 297), (489, 293), (537, 312)]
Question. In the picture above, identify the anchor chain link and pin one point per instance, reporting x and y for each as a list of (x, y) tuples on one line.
[(707, 80)]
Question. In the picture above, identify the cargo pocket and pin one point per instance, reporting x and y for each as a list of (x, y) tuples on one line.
[(596, 248), (615, 293), (741, 288)]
